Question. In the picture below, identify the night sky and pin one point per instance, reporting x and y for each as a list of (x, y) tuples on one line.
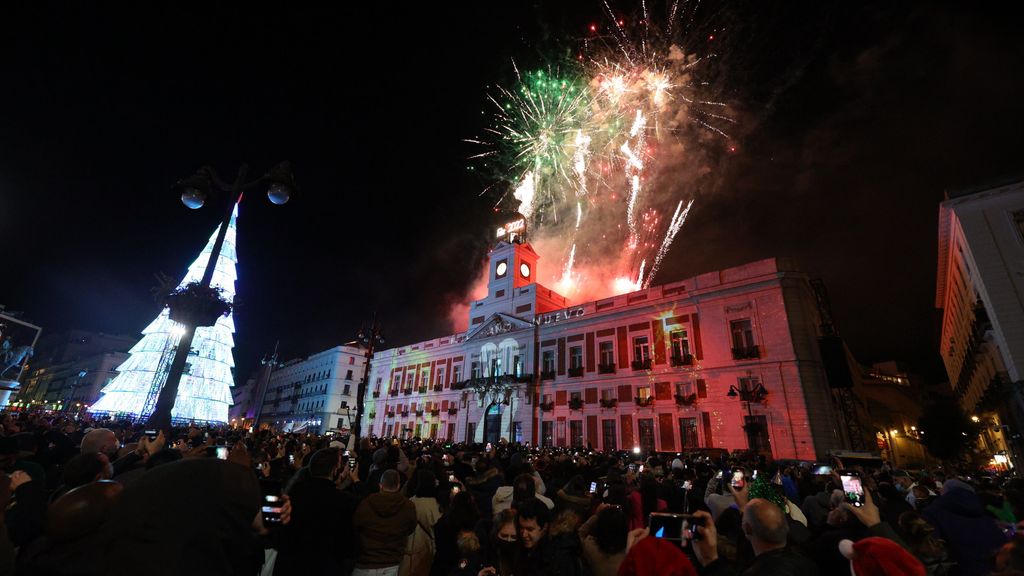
[(855, 118)]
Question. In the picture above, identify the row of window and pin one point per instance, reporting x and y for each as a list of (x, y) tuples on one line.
[(741, 330)]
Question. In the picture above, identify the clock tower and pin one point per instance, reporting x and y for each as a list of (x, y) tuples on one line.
[(512, 287)]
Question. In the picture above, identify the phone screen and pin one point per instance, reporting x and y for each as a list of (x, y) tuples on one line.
[(291, 458), (672, 527), (737, 478), (451, 478), (151, 434), (593, 487), (852, 488), (271, 509), (489, 446), (822, 470), (222, 452), (687, 485)]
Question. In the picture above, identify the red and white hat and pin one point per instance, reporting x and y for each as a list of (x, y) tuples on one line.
[(877, 556)]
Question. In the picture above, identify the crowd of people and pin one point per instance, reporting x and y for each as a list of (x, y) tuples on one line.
[(110, 497)]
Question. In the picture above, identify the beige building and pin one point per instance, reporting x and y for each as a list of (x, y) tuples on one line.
[(980, 289)]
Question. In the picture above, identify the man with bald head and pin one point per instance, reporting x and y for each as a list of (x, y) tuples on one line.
[(104, 441), (766, 527)]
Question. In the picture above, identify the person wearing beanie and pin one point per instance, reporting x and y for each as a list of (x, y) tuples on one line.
[(877, 556), (970, 533)]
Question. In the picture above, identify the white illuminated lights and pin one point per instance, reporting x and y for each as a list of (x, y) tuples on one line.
[(501, 269), (524, 269)]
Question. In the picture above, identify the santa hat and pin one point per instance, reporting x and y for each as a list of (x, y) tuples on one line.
[(656, 557), (877, 556)]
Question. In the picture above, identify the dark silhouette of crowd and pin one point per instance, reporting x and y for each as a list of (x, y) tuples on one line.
[(85, 497)]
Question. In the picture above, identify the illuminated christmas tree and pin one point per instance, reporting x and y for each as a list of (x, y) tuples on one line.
[(204, 393)]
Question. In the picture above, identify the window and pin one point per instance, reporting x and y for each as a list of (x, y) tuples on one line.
[(475, 367), (495, 366), (608, 434), (398, 382), (641, 349), (440, 376), (546, 428), (548, 361), (346, 390), (608, 353), (575, 397), (517, 432), (471, 432), (576, 433), (456, 372), (646, 426), (608, 394), (742, 334), (348, 375), (688, 433), (351, 360), (684, 389), (680, 344), (424, 377), (545, 399), (517, 368), (576, 357), (560, 433), (644, 393)]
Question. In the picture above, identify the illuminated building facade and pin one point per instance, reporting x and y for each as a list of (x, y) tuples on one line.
[(314, 394), (660, 368), (980, 289)]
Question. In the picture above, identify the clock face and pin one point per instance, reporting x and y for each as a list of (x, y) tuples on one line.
[(524, 269), (501, 269)]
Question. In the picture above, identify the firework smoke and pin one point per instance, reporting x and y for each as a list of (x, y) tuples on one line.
[(606, 154)]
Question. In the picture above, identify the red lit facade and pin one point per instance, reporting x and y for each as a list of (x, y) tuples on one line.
[(650, 369)]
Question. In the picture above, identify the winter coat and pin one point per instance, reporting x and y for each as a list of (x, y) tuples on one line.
[(420, 546), (383, 521), (971, 535), (636, 515), (319, 538)]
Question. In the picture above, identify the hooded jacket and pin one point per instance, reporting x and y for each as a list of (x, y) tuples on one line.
[(502, 500), (383, 522), (971, 535)]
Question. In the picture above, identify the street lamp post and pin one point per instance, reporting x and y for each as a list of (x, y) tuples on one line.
[(369, 338), (194, 190), (749, 394)]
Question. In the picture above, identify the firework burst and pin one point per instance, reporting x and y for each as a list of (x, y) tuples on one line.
[(605, 154)]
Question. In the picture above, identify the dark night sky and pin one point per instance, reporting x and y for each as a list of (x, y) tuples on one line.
[(856, 117)]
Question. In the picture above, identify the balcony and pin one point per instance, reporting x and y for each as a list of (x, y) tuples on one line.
[(547, 406), (459, 384), (391, 414), (407, 391), (746, 353), (453, 411), (547, 375), (686, 400), (423, 390), (393, 393), (644, 401), (684, 360), (435, 412), (438, 388), (376, 393), (609, 402), (405, 414), (576, 404), (419, 413), (606, 368), (576, 371), (644, 364), (373, 415)]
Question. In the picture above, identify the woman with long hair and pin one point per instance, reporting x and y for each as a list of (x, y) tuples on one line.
[(643, 501)]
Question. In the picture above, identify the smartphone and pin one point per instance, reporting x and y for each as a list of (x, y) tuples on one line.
[(679, 529), (822, 470), (488, 447), (152, 434), (455, 490), (719, 475), (593, 487), (641, 468), (451, 478), (737, 478), (271, 504), (222, 452), (853, 490), (291, 458), (687, 485)]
